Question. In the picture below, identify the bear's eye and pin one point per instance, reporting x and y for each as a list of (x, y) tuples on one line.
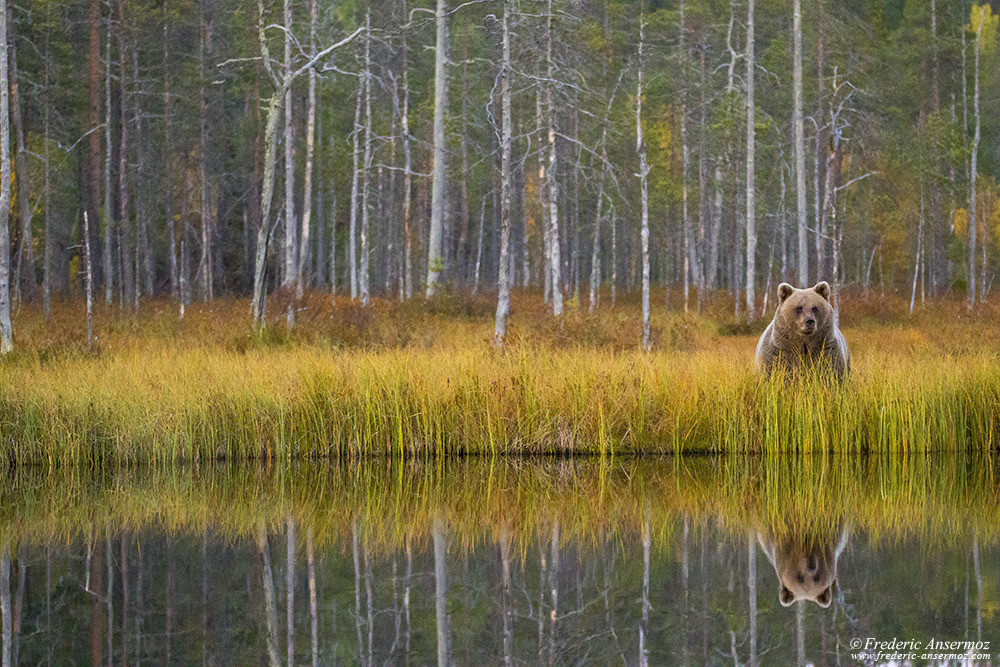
[(815, 310), (798, 311)]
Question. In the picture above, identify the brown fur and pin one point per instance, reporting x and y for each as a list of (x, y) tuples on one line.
[(806, 567), (803, 333)]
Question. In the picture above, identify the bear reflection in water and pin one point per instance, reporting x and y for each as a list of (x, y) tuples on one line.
[(806, 565)]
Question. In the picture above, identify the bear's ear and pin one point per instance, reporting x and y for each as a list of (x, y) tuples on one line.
[(825, 598), (785, 596), (823, 289), (784, 291)]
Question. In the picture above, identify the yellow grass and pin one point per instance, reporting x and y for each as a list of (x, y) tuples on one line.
[(422, 379)]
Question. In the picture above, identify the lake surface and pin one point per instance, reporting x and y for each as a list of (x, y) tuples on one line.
[(471, 562)]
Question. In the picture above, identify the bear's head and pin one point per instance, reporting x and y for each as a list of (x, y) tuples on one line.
[(806, 574), (806, 312), (806, 566)]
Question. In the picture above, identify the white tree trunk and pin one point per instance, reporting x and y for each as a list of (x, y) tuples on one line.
[(640, 148), (557, 296), (47, 260), (363, 278), (307, 186), (6, 336), (751, 146), (407, 177), (205, 263), (352, 233), (435, 257), (291, 228), (973, 171), (109, 273), (800, 150), (503, 299), (168, 177)]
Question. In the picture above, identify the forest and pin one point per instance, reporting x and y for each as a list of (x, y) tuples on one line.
[(584, 149)]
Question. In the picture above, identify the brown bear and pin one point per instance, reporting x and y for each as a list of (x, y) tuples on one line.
[(803, 333), (806, 567)]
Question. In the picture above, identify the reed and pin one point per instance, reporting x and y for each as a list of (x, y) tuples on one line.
[(156, 390)]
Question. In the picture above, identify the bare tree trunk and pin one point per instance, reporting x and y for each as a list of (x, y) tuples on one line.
[(168, 174), (461, 260), (557, 287), (751, 146), (282, 86), (205, 263), (690, 257), (89, 279), (109, 273), (353, 230), (434, 255), (973, 173), (143, 242), (124, 226), (799, 139), (407, 166), (819, 175), (366, 174), (291, 225), (543, 197), (640, 148), (25, 286), (503, 299), (307, 187), (47, 258), (479, 248), (93, 112), (595, 252), (920, 240), (6, 336), (704, 221)]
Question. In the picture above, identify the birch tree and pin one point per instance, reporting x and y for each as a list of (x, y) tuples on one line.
[(555, 261), (205, 264), (291, 246), (435, 258), (751, 145), (503, 298), (6, 335), (640, 148), (274, 109), (307, 186), (365, 252), (799, 140), (24, 280)]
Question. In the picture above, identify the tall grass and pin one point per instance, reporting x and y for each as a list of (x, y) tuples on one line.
[(159, 390)]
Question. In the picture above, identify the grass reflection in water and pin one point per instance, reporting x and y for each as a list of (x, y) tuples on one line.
[(541, 559)]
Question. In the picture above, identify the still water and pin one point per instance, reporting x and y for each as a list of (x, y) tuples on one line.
[(703, 561)]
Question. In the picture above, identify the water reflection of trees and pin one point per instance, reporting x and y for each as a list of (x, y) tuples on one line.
[(555, 562)]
